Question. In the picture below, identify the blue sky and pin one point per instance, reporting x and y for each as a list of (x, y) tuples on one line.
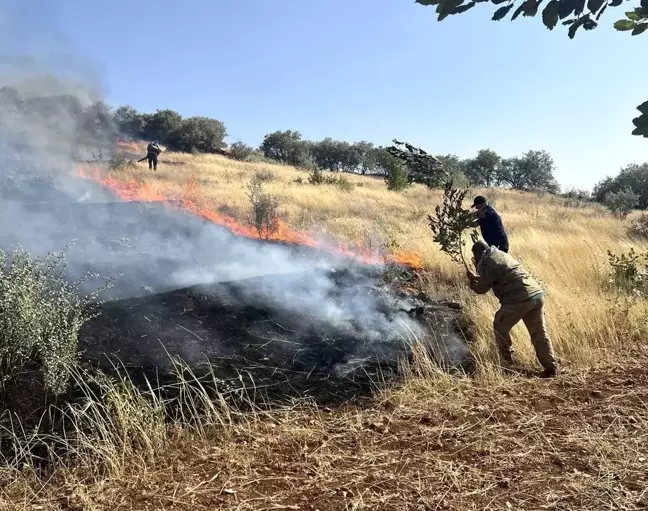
[(361, 70)]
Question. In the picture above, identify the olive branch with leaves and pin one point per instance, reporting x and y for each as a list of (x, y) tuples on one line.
[(450, 222)]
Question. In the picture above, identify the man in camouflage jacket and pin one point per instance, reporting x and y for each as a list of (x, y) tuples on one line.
[(521, 299)]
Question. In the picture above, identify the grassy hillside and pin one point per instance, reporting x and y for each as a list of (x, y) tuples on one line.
[(564, 247), (495, 441)]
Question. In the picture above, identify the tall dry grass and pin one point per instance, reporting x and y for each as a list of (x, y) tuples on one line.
[(118, 431), (564, 247)]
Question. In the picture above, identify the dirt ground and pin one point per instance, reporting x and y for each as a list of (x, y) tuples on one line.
[(579, 441)]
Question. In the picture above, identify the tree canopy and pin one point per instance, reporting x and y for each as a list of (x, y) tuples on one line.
[(574, 14)]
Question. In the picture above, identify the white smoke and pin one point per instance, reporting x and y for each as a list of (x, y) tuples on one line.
[(43, 135)]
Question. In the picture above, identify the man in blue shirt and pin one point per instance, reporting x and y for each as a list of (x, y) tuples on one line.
[(490, 223)]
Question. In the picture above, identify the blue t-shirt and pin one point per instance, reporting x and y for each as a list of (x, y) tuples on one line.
[(492, 229)]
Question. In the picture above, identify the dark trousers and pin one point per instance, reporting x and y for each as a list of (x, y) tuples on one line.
[(152, 160)]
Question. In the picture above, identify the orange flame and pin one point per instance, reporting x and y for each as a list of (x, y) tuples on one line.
[(128, 145), (132, 190)]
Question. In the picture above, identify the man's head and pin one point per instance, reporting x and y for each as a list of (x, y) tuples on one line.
[(478, 250), (480, 202)]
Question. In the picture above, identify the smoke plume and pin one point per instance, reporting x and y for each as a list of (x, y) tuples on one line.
[(52, 117)]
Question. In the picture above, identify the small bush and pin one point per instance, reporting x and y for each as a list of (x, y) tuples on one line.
[(316, 176), (343, 184), (264, 176), (120, 162), (575, 198), (622, 202), (299, 180), (396, 174), (639, 227), (40, 318), (265, 210), (629, 273), (240, 151)]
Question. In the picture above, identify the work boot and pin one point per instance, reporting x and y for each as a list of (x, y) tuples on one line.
[(549, 372)]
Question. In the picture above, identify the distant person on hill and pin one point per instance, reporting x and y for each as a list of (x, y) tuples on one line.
[(490, 223), (521, 299), (152, 152)]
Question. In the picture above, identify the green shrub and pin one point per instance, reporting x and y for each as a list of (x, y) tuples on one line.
[(622, 202), (342, 184), (265, 209), (120, 162), (40, 318), (240, 151), (316, 176), (639, 227), (264, 176), (396, 174), (629, 273)]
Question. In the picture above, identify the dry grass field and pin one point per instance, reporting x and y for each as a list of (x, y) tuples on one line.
[(436, 442)]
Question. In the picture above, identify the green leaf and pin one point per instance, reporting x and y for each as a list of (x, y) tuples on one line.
[(595, 5), (572, 30), (624, 25), (427, 2), (497, 2), (643, 108), (446, 7), (579, 6), (518, 11), (463, 8), (501, 12), (532, 7), (566, 7), (615, 3), (589, 24), (631, 15), (640, 29), (644, 4), (550, 14)]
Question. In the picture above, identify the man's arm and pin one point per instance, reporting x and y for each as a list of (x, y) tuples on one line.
[(480, 284)]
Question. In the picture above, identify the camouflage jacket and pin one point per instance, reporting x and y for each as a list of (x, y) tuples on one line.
[(510, 282), (152, 150)]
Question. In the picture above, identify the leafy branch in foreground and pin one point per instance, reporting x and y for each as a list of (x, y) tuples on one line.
[(451, 221), (574, 14)]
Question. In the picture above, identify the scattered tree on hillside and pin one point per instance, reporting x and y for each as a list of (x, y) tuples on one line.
[(336, 155), (129, 121), (368, 155), (575, 14), (483, 169), (622, 202), (283, 146), (422, 167), (198, 134), (533, 171), (633, 177), (240, 151), (453, 166), (161, 124), (396, 173)]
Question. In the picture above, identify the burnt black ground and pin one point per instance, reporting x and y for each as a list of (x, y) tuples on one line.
[(289, 317), (250, 342)]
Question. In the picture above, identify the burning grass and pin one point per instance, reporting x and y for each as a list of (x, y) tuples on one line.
[(564, 247), (434, 441)]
